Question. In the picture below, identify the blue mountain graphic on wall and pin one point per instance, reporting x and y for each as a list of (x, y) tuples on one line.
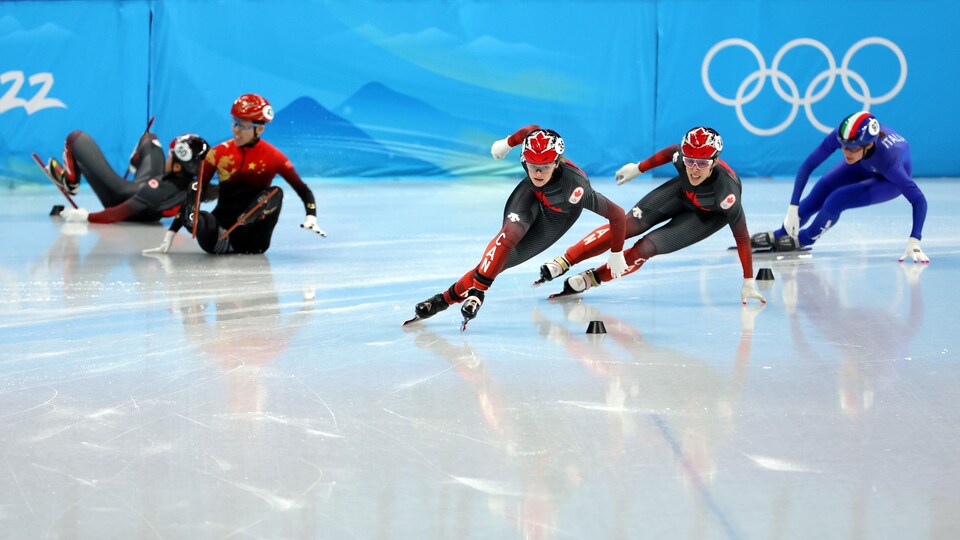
[(320, 143), (415, 128)]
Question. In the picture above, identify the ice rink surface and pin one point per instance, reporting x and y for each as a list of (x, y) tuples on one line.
[(277, 397)]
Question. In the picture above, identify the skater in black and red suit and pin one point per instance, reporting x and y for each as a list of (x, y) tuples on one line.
[(246, 166), (158, 187), (702, 199), (543, 206)]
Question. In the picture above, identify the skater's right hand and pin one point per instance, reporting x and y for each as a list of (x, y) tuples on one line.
[(791, 223), (500, 149), (749, 290), (164, 245), (627, 173)]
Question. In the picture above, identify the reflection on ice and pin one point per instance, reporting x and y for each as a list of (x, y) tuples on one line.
[(276, 396)]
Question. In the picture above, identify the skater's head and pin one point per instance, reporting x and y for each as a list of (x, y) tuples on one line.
[(186, 153), (857, 134), (542, 152), (699, 150), (251, 112)]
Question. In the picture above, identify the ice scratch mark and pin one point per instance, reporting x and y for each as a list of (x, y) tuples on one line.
[(406, 385), (53, 397), (192, 420), (89, 483), (17, 482), (301, 424), (775, 464), (324, 403), (492, 487)]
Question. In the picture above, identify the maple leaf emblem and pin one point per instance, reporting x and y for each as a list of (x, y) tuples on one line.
[(700, 137), (540, 143)]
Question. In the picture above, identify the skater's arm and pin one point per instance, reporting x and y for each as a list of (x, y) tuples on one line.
[(911, 191), (742, 236), (828, 146), (521, 134), (303, 191), (661, 157), (618, 220)]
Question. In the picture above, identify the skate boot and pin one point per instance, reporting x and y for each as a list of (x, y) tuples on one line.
[(428, 308), (552, 269), (431, 306), (763, 240), (785, 243), (471, 306), (578, 283), (59, 175)]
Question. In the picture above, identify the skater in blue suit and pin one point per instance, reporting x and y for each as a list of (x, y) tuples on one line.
[(876, 168)]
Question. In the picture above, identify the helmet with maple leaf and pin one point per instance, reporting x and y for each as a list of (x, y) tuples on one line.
[(541, 147), (701, 142)]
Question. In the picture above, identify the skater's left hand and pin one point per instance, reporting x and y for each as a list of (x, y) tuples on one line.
[(310, 224), (164, 245), (75, 215), (749, 290), (617, 264), (791, 223), (913, 250), (627, 173), (499, 149)]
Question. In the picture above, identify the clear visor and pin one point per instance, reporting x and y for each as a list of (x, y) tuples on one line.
[(697, 163), (244, 125)]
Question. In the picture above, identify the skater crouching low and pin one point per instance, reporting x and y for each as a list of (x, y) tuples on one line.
[(543, 206)]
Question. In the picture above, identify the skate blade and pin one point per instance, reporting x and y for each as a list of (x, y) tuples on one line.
[(538, 282), (463, 325), (562, 294), (413, 320)]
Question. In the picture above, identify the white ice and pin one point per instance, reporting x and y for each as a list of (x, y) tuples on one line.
[(277, 396)]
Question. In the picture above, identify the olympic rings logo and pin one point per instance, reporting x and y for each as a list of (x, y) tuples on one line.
[(792, 94)]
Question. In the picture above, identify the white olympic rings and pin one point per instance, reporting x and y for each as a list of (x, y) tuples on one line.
[(793, 97)]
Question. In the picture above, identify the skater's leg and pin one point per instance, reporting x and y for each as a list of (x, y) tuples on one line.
[(82, 150), (858, 195)]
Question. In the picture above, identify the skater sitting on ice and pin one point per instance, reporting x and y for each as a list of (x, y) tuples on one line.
[(157, 190), (702, 199), (876, 168), (543, 206), (248, 207)]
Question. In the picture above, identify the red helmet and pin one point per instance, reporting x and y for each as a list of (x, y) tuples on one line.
[(702, 143), (252, 107), (541, 147)]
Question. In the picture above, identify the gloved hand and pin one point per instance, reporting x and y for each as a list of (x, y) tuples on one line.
[(627, 173), (75, 215), (913, 250), (164, 245), (500, 149), (310, 224), (617, 264), (791, 223), (749, 290)]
